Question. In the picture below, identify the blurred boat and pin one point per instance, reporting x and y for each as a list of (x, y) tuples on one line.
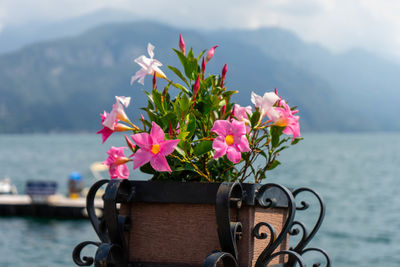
[(42, 200), (7, 188)]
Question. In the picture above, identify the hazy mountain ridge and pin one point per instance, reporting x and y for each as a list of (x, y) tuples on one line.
[(63, 85)]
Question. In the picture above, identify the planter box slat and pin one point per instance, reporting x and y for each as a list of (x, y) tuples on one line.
[(185, 234)]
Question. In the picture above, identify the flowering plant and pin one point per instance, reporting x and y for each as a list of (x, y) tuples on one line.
[(199, 134)]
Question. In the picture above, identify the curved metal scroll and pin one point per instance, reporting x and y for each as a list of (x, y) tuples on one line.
[(112, 250), (228, 195), (215, 258), (266, 256), (301, 228)]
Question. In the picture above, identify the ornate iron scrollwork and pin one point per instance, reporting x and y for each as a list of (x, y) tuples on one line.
[(267, 202), (298, 227), (112, 250), (229, 196)]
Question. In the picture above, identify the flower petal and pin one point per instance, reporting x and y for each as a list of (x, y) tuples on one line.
[(220, 146), (243, 144), (256, 99), (221, 127), (124, 100), (141, 157), (150, 50), (105, 133), (143, 140), (140, 74), (238, 128), (157, 134), (160, 163), (233, 155), (123, 171), (168, 146)]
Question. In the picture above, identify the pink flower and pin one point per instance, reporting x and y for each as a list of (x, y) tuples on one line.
[(181, 44), (116, 162), (153, 148), (231, 141), (117, 112), (287, 120), (149, 66), (241, 113), (265, 104), (210, 53), (117, 127)]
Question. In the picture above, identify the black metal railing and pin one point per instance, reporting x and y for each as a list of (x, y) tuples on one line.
[(112, 250)]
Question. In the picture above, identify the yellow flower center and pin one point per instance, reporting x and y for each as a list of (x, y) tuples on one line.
[(155, 149), (229, 139), (282, 122)]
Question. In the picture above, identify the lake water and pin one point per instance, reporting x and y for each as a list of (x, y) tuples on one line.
[(357, 174)]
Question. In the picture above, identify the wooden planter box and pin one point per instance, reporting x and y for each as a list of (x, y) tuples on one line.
[(175, 223)]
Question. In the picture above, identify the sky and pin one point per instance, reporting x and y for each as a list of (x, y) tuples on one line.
[(340, 25)]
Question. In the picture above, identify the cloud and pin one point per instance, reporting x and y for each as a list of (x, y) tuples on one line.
[(336, 24), (2, 14)]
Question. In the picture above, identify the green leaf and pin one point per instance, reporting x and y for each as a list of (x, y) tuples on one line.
[(255, 118), (180, 151), (182, 88), (262, 153), (273, 165), (182, 135), (296, 140), (276, 132), (229, 93), (191, 124), (181, 57), (202, 148), (200, 55), (280, 149), (147, 169), (185, 104), (157, 97), (186, 167), (179, 74)]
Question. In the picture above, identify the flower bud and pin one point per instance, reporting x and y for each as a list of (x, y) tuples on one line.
[(224, 70), (129, 143), (196, 87), (203, 66), (223, 109), (181, 44), (154, 80), (210, 53), (170, 131)]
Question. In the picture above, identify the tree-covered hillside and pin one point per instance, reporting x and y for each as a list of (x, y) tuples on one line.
[(64, 85)]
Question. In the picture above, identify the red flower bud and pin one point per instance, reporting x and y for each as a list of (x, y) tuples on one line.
[(181, 44), (224, 70), (196, 87), (129, 143), (203, 66), (154, 80), (210, 53), (223, 109), (170, 131)]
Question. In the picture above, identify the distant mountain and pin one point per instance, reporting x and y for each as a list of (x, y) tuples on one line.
[(64, 84), (13, 38), (365, 83)]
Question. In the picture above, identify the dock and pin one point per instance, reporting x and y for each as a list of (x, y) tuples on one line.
[(53, 206)]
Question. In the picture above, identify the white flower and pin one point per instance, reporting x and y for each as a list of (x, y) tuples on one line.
[(117, 112), (265, 104), (149, 66)]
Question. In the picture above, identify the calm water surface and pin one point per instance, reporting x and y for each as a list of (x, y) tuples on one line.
[(357, 174)]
